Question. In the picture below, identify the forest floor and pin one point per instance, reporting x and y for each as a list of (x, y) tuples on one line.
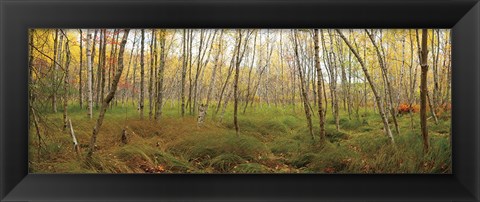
[(272, 140)]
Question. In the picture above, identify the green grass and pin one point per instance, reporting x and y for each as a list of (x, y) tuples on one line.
[(271, 140)]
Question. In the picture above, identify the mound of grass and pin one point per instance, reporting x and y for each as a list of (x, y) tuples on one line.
[(335, 136), (303, 160), (352, 124), (284, 145), (153, 156), (272, 127), (443, 127), (225, 162), (250, 168), (406, 156), (210, 145), (99, 164), (291, 121), (331, 159), (371, 143), (265, 126)]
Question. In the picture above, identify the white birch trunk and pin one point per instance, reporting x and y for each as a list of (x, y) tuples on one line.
[(89, 69)]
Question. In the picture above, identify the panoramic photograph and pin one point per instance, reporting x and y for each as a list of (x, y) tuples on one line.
[(236, 101)]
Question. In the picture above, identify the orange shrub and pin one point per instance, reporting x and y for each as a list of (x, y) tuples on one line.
[(406, 108)]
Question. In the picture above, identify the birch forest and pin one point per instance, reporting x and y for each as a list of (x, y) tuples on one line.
[(239, 100)]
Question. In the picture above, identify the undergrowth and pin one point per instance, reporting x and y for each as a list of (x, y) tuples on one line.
[(271, 140)]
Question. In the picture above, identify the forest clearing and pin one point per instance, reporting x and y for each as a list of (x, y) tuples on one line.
[(240, 101)]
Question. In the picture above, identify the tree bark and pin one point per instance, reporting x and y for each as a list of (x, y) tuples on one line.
[(372, 86), (80, 76), (423, 90), (100, 68), (89, 69), (142, 74), (161, 70), (66, 85), (110, 95), (250, 74), (103, 67), (150, 81), (58, 60), (383, 66), (319, 86), (76, 146), (302, 87), (184, 72), (235, 85), (124, 95), (330, 62), (214, 71)]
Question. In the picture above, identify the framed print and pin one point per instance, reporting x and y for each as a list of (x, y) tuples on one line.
[(239, 100)]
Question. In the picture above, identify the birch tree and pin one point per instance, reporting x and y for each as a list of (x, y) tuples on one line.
[(383, 66), (161, 70), (109, 96), (89, 70), (423, 90), (80, 71), (142, 74), (184, 71), (302, 86), (386, 127), (235, 85), (66, 84), (319, 85)]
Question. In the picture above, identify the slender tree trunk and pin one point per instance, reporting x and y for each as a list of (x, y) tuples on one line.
[(110, 95), (80, 76), (302, 87), (54, 74), (93, 54), (58, 59), (214, 71), (142, 73), (197, 72), (161, 70), (372, 86), (282, 96), (330, 61), (412, 82), (103, 67), (250, 74), (436, 89), (387, 81), (150, 83), (229, 73), (134, 78), (101, 60), (319, 85), (184, 71), (423, 90), (190, 62), (66, 86), (235, 85), (124, 95), (111, 59), (90, 81)]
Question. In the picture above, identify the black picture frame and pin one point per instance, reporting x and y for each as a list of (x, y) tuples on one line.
[(17, 16)]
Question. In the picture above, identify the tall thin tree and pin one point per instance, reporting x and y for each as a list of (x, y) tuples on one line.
[(109, 96), (142, 74), (423, 89), (89, 70), (378, 100), (235, 84), (319, 85)]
